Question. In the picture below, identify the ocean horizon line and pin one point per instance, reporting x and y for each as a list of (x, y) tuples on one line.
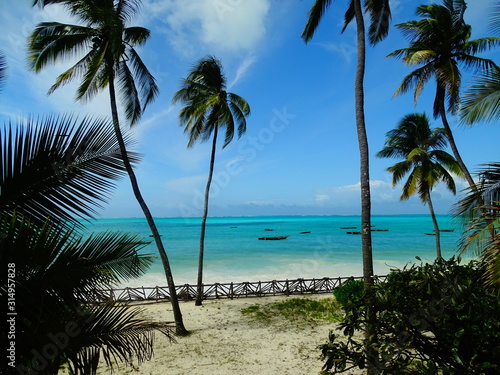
[(229, 216)]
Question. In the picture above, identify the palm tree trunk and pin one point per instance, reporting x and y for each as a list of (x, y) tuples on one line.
[(366, 239), (453, 145), (199, 286), (179, 324), (436, 228)]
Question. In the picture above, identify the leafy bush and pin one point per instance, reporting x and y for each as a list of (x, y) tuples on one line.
[(430, 319), (351, 291)]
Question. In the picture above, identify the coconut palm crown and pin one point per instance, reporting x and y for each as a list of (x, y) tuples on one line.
[(208, 106), (424, 161), (108, 49)]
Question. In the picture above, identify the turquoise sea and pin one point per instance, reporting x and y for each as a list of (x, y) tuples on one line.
[(234, 253)]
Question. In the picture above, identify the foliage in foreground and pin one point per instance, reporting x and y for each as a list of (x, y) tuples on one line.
[(431, 318), (351, 291), (53, 171)]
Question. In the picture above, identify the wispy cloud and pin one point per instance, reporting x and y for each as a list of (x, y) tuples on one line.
[(242, 69)]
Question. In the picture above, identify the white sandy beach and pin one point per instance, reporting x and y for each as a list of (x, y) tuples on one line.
[(223, 341)]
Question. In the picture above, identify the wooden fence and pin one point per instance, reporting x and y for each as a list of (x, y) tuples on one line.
[(229, 290)]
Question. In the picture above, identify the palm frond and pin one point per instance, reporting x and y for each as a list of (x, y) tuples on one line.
[(472, 47), (58, 167), (127, 9), (315, 15), (136, 35), (52, 41), (76, 71), (96, 75), (349, 15), (481, 101), (416, 79), (146, 83), (129, 94), (380, 17), (117, 334)]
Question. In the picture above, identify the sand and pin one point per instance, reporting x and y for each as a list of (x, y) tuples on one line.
[(223, 341)]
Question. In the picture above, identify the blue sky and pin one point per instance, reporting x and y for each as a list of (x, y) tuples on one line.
[(300, 154)]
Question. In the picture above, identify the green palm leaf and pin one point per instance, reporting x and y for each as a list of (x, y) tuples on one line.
[(52, 41), (58, 167), (57, 274), (315, 15), (481, 101), (117, 334)]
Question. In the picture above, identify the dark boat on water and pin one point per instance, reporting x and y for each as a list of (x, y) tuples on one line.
[(348, 227), (274, 238)]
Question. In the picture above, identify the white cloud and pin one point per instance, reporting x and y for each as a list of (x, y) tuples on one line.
[(220, 25)]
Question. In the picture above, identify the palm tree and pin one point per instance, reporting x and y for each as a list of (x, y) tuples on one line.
[(109, 59), (439, 42), (421, 149), (62, 168), (380, 15), (208, 108)]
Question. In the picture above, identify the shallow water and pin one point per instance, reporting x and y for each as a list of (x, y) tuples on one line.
[(234, 253)]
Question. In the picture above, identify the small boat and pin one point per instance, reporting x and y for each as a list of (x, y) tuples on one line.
[(348, 227), (273, 238), (234, 227), (268, 230), (305, 232), (354, 232)]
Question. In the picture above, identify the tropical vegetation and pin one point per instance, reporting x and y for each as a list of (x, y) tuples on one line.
[(110, 59), (55, 171), (439, 44), (424, 161), (208, 108), (431, 319)]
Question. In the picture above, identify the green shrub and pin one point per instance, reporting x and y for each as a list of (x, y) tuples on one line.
[(430, 319), (351, 291)]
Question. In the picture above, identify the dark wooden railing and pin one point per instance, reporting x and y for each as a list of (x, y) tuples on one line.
[(229, 290)]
